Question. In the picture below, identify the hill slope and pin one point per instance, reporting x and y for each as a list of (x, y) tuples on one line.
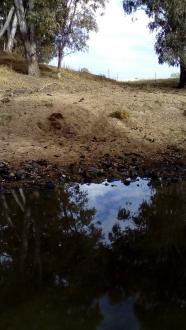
[(73, 116)]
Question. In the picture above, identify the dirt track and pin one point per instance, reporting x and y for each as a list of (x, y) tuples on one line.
[(69, 119)]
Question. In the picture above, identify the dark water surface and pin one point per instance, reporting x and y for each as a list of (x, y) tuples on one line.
[(108, 256)]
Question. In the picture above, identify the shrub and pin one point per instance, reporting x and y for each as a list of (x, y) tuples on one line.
[(85, 70), (121, 115)]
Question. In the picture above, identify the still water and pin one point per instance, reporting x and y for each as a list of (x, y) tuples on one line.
[(109, 256)]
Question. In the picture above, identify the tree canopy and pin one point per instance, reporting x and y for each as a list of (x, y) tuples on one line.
[(168, 19), (47, 27), (75, 19)]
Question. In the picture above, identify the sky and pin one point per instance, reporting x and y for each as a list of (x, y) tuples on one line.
[(110, 198), (123, 48)]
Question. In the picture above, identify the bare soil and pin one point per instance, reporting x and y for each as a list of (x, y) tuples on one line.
[(69, 117)]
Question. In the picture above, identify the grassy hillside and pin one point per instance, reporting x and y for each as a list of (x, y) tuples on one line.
[(68, 116), (18, 64)]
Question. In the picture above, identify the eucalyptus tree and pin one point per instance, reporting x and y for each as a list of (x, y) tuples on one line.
[(35, 24), (8, 25), (36, 20), (40, 23), (12, 34), (7, 19), (168, 19), (19, 15), (76, 19)]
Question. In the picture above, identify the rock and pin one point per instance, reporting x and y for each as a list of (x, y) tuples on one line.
[(127, 182), (5, 100), (28, 167), (10, 94), (20, 91), (80, 171), (49, 185), (111, 179), (81, 100), (93, 170), (132, 172), (42, 162), (153, 175), (11, 176), (35, 165), (3, 164), (4, 169), (20, 174)]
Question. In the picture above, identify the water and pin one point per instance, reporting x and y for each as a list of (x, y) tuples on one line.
[(104, 256)]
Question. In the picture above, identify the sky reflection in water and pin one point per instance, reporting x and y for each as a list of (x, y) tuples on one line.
[(110, 197)]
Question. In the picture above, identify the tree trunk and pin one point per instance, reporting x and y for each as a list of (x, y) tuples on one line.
[(11, 38), (28, 36), (182, 82), (32, 60), (60, 56), (7, 23)]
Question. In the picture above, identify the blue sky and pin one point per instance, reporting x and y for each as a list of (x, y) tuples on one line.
[(123, 48)]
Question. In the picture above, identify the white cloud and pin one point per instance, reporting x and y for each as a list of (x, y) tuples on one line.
[(108, 200), (122, 47)]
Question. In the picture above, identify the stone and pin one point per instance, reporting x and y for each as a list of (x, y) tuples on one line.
[(5, 100), (93, 170), (4, 169), (49, 185), (20, 174)]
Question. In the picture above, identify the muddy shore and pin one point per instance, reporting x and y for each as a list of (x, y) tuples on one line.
[(44, 175)]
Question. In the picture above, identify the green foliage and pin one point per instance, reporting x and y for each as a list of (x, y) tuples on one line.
[(76, 19), (168, 18), (72, 19)]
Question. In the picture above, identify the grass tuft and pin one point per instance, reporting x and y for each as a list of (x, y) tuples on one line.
[(120, 115)]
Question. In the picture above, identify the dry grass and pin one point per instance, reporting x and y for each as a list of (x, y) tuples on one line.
[(78, 114), (18, 64), (151, 83), (14, 62), (13, 74), (120, 115)]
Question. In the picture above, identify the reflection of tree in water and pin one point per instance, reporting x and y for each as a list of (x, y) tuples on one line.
[(152, 258), (44, 226), (123, 214), (54, 244)]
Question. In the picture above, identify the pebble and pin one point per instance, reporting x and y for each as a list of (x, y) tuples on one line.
[(20, 174), (49, 185)]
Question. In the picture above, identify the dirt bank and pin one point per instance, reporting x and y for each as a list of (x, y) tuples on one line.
[(75, 119)]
